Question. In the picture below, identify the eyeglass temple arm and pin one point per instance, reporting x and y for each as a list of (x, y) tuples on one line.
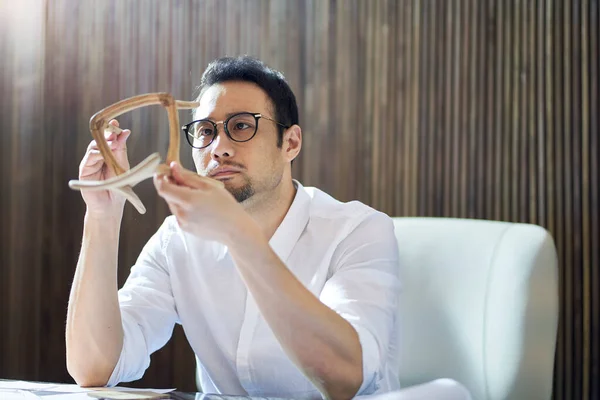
[(271, 119)]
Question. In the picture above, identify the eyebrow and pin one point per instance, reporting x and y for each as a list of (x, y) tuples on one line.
[(226, 115)]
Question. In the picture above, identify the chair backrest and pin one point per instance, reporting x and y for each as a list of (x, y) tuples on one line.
[(479, 304)]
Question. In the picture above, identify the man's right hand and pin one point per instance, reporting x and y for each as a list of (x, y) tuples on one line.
[(93, 167)]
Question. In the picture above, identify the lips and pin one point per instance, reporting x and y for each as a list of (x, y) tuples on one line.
[(223, 172)]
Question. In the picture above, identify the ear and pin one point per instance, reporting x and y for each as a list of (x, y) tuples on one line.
[(292, 142)]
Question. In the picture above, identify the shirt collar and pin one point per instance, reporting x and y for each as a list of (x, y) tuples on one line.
[(288, 232)]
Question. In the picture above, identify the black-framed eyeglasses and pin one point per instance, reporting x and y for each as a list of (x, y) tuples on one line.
[(239, 127)]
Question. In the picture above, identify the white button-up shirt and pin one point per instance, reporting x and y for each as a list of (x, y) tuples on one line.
[(345, 253)]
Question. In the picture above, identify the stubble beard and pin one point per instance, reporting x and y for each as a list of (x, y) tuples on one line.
[(243, 192)]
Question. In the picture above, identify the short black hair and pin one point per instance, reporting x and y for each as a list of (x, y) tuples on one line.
[(250, 69)]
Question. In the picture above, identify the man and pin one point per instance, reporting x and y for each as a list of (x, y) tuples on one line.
[(281, 289)]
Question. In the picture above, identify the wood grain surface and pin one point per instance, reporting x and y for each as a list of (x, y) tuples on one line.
[(473, 109)]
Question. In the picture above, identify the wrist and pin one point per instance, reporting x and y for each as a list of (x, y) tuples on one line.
[(245, 235), (103, 229), (105, 218)]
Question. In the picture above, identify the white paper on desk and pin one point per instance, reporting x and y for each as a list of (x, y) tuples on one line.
[(23, 385), (66, 396), (65, 388), (84, 395), (69, 388), (127, 389), (15, 394)]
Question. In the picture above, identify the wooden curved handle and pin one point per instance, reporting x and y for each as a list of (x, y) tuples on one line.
[(99, 122), (125, 180)]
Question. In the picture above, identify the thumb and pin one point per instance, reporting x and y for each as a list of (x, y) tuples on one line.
[(181, 175), (191, 179), (123, 136), (122, 139)]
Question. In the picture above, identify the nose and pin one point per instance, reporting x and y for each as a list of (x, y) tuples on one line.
[(222, 146)]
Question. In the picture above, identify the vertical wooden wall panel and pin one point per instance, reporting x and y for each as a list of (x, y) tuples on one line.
[(585, 207), (475, 108), (22, 288), (593, 91)]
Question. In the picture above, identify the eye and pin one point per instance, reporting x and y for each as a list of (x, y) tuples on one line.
[(241, 126), (241, 123), (201, 130)]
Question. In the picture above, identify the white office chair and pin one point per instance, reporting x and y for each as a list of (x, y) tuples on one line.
[(479, 305)]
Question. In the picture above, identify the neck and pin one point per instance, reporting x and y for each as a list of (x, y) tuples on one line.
[(269, 210)]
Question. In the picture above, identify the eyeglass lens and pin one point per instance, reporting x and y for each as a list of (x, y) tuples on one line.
[(240, 128)]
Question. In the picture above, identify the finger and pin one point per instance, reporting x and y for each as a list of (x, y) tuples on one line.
[(171, 192), (92, 154), (95, 155), (114, 122), (109, 136), (91, 169), (90, 165), (112, 132), (92, 157), (188, 178), (122, 138), (117, 142), (182, 176), (93, 146), (124, 135)]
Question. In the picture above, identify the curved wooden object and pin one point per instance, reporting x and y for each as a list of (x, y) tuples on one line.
[(125, 180)]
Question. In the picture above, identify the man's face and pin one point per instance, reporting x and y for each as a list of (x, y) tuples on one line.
[(246, 168)]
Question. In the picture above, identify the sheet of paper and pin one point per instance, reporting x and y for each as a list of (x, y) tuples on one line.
[(63, 388), (66, 396), (118, 393), (23, 385), (127, 389), (15, 394), (126, 395)]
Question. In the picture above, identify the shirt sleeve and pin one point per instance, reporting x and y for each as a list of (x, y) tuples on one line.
[(148, 310), (364, 290)]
